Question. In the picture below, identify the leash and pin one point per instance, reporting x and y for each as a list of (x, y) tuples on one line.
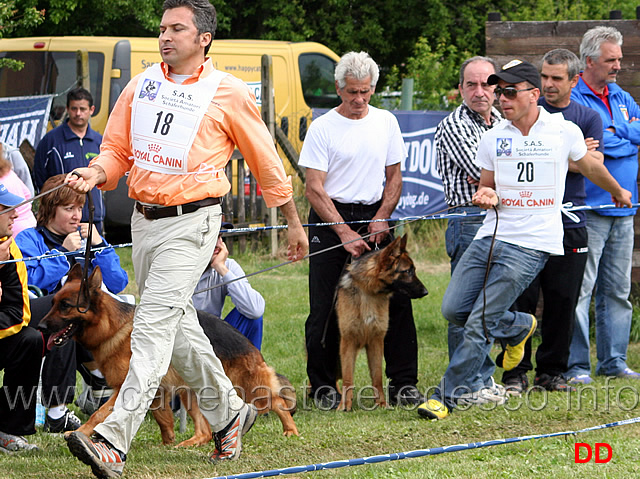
[(309, 255), (486, 278), (84, 283), (7, 210), (420, 452)]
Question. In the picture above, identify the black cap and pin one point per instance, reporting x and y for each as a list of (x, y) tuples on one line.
[(227, 226), (517, 71)]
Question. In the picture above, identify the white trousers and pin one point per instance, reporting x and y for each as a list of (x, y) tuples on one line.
[(169, 256)]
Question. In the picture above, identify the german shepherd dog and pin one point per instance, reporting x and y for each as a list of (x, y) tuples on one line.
[(105, 330), (362, 307)]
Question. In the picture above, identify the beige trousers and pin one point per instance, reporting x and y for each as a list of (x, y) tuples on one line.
[(169, 256)]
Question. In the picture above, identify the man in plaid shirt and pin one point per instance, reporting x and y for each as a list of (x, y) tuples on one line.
[(457, 138)]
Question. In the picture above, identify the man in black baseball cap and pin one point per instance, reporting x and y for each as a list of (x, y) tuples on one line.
[(524, 161), (517, 71)]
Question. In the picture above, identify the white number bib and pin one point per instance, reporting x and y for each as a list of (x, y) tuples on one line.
[(527, 172), (165, 118)]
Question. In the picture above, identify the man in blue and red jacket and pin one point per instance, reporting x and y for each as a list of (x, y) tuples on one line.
[(73, 144), (610, 231)]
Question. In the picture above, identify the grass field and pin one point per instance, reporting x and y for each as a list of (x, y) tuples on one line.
[(331, 436)]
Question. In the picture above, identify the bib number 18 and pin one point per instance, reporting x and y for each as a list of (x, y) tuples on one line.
[(163, 125)]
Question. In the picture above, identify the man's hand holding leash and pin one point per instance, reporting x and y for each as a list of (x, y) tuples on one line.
[(622, 199), (486, 198), (82, 180)]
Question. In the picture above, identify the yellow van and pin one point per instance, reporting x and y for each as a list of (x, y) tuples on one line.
[(302, 71), (302, 75)]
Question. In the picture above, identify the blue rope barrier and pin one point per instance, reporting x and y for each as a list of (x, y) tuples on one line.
[(254, 229), (434, 216), (418, 453), (64, 253)]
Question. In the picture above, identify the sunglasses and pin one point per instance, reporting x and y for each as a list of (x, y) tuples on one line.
[(508, 92)]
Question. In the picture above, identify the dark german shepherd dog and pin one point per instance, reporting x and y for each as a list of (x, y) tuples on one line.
[(105, 330), (362, 307)]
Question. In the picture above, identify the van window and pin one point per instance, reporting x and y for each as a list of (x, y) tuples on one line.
[(318, 85), (49, 73)]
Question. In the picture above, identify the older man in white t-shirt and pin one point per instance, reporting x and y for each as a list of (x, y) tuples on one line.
[(352, 155)]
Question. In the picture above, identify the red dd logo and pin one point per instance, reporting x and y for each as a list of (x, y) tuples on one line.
[(589, 452)]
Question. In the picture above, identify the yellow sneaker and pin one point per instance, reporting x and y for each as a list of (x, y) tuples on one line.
[(433, 409), (514, 354)]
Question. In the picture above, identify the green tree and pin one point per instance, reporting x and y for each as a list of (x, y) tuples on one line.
[(12, 18), (89, 17), (407, 38)]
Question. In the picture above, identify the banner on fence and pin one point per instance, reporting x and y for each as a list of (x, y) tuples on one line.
[(422, 191), (24, 118)]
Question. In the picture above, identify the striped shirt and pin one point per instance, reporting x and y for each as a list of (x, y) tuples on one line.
[(457, 138)]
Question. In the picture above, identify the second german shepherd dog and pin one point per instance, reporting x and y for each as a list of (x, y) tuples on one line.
[(105, 330), (362, 307)]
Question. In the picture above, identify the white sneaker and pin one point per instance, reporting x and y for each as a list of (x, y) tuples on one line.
[(495, 393)]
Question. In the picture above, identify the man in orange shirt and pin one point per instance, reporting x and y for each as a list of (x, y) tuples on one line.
[(173, 130)]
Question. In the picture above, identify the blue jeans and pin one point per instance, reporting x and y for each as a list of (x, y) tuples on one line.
[(609, 270), (459, 235), (512, 269), (249, 327)]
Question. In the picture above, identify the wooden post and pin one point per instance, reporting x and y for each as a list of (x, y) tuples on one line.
[(406, 100), (83, 76), (227, 205), (240, 210), (268, 116), (253, 209)]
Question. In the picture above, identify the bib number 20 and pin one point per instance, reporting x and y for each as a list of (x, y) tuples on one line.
[(525, 172)]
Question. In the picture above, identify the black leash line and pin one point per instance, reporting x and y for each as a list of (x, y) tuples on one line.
[(7, 210), (309, 255), (84, 283)]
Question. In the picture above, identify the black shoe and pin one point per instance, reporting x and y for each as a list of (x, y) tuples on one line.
[(406, 396), (553, 383), (516, 385), (326, 399), (68, 422)]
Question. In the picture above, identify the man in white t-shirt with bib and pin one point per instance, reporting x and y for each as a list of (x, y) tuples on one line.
[(524, 162), (352, 155)]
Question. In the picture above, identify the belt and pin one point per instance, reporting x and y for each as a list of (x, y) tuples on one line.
[(157, 212)]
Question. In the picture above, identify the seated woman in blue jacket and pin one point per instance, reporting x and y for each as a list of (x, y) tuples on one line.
[(59, 230)]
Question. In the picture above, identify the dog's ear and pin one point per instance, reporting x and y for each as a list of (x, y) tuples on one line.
[(403, 242), (397, 245), (75, 273), (95, 280), (391, 251)]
